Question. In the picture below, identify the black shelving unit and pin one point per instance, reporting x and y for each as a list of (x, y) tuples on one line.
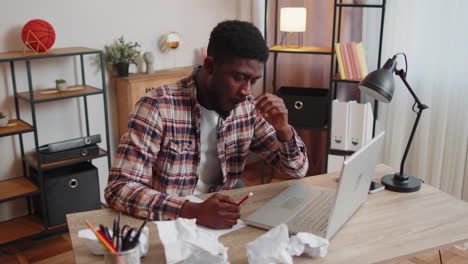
[(325, 51), (334, 79), (32, 225)]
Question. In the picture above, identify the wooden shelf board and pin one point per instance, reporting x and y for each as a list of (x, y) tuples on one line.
[(304, 49), (363, 5), (15, 126), (16, 187), (52, 94), (340, 152), (56, 226), (32, 160), (337, 78), (19, 228), (20, 55)]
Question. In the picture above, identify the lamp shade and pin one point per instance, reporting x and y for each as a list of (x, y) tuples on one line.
[(380, 84), (293, 19)]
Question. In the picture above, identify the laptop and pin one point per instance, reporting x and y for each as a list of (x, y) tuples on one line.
[(318, 210)]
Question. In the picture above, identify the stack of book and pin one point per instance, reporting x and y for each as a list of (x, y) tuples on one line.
[(352, 63)]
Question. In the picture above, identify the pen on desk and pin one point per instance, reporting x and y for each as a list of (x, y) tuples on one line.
[(117, 228), (244, 199), (105, 231), (114, 233)]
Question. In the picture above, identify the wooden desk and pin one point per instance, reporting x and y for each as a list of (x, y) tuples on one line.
[(389, 226)]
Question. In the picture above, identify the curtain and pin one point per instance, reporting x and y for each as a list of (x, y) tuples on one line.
[(432, 35)]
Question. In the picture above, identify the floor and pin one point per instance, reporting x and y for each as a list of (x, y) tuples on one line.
[(57, 249)]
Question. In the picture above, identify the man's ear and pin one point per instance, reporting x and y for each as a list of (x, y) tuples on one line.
[(208, 64)]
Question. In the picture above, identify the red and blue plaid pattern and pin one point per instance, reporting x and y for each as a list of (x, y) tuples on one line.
[(157, 158)]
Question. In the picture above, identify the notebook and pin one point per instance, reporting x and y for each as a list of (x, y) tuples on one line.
[(322, 211)]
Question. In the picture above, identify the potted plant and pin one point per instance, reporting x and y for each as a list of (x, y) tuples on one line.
[(121, 54), (3, 120), (61, 85)]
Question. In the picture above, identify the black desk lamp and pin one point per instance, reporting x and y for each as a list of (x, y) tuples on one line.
[(379, 84)]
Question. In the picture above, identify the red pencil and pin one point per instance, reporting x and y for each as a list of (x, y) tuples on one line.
[(244, 199)]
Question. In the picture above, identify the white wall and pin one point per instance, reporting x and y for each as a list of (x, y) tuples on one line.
[(93, 24)]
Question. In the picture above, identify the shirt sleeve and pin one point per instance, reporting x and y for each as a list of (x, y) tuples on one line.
[(290, 158), (129, 187)]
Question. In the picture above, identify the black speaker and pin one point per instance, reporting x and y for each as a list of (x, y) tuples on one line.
[(307, 107), (68, 189)]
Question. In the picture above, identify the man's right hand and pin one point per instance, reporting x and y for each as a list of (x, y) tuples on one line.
[(217, 212)]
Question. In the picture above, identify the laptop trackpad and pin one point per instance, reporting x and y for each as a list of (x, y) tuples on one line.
[(283, 207), (292, 203)]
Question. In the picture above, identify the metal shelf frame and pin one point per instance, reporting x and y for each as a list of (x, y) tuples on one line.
[(334, 82), (28, 97)]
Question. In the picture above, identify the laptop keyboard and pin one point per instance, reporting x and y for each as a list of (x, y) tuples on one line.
[(314, 217)]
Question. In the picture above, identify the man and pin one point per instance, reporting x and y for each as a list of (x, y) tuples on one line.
[(193, 136)]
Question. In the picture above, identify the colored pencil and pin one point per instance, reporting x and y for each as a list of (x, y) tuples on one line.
[(244, 199), (101, 238)]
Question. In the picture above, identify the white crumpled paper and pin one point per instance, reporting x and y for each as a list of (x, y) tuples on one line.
[(96, 248), (184, 241), (275, 246)]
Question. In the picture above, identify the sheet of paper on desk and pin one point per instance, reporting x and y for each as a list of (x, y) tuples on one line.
[(216, 232)]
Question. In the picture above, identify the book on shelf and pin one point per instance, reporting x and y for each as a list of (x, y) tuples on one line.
[(351, 60), (347, 62), (362, 60), (339, 58), (354, 60)]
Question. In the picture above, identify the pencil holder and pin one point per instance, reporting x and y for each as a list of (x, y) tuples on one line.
[(131, 256)]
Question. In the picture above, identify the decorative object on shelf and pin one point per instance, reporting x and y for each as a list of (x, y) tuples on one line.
[(3, 120), (380, 85), (149, 61), (293, 20), (61, 85), (121, 54), (38, 35), (169, 41), (202, 53)]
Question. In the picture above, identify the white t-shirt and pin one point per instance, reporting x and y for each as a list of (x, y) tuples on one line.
[(209, 171)]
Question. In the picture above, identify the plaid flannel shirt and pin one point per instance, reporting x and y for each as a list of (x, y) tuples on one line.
[(157, 158)]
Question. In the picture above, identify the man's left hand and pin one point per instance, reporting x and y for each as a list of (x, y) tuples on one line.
[(273, 109)]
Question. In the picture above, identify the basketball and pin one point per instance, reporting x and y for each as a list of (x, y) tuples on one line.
[(38, 35)]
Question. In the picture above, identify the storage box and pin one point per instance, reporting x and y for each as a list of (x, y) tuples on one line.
[(68, 189), (307, 107)]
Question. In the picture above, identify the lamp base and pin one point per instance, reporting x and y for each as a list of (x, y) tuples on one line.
[(393, 183)]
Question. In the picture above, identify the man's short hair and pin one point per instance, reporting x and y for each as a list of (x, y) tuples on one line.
[(237, 39)]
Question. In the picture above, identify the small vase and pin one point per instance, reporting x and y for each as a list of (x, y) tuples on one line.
[(62, 87), (3, 122), (122, 69)]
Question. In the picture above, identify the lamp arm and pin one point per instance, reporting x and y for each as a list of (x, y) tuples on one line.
[(402, 75), (401, 176)]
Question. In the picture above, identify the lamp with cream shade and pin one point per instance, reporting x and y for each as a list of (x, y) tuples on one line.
[(293, 20)]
